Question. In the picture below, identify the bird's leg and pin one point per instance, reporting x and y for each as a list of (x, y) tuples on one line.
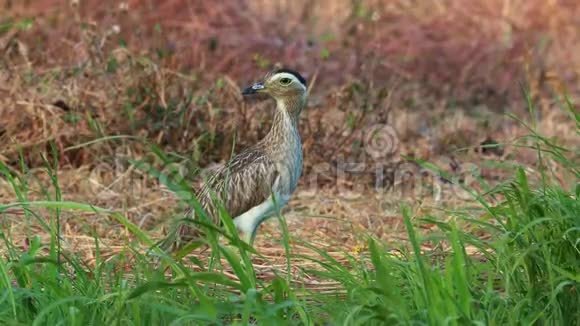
[(253, 236), (249, 237)]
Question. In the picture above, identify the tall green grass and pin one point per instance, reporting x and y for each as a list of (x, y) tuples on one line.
[(526, 271)]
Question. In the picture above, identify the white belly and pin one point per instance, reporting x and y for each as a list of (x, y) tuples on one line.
[(250, 220)]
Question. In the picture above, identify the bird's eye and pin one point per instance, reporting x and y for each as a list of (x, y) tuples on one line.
[(285, 81)]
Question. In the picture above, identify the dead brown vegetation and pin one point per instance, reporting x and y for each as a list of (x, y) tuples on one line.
[(442, 73)]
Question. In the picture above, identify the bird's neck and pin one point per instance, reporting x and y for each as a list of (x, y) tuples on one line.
[(285, 123)]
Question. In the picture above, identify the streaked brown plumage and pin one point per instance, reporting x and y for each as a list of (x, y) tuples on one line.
[(267, 172)]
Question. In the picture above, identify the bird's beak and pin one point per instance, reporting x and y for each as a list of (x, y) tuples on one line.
[(256, 88)]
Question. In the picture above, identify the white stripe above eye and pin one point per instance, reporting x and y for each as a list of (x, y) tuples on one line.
[(281, 75)]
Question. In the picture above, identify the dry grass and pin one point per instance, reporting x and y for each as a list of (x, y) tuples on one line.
[(440, 73)]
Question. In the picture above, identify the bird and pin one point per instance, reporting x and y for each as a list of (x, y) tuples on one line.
[(258, 181)]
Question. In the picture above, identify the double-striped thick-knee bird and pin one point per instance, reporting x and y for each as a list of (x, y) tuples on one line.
[(258, 181)]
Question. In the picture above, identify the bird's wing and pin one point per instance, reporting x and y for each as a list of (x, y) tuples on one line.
[(245, 182)]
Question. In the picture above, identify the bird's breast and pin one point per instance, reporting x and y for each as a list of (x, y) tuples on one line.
[(289, 166)]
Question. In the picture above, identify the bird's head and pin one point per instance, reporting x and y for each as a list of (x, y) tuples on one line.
[(280, 84)]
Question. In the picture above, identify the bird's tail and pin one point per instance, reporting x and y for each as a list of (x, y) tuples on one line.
[(178, 237), (181, 234)]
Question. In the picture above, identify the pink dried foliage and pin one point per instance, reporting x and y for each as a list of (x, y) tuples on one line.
[(451, 46)]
